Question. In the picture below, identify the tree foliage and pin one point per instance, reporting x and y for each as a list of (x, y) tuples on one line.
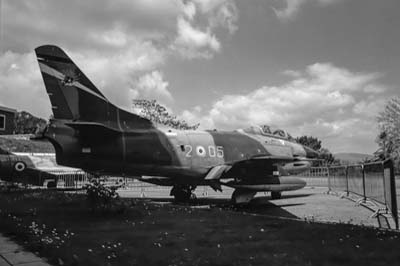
[(326, 156), (314, 143), (309, 141), (389, 127), (25, 123), (158, 114)]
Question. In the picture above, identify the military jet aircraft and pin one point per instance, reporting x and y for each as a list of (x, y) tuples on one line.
[(91, 133), (35, 169)]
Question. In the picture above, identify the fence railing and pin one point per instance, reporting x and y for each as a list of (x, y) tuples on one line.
[(372, 181)]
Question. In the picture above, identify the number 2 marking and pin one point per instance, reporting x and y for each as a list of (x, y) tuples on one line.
[(189, 152)]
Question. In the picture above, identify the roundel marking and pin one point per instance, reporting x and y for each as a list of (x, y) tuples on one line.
[(19, 166), (200, 151)]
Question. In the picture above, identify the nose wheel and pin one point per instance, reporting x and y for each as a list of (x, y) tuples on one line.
[(183, 193)]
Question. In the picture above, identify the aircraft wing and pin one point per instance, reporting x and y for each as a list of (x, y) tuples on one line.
[(265, 160)]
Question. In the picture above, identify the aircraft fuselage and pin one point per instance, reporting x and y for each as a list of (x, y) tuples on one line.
[(170, 153)]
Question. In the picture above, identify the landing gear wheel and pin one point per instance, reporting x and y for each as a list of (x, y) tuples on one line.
[(242, 196), (276, 195), (183, 193)]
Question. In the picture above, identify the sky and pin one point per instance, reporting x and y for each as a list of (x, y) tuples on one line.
[(323, 68)]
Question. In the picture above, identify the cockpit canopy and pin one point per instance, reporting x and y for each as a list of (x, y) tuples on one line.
[(267, 130)]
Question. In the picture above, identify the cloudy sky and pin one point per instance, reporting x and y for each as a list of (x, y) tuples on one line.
[(313, 67)]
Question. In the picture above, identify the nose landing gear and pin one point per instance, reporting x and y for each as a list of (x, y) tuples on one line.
[(183, 193), (276, 195)]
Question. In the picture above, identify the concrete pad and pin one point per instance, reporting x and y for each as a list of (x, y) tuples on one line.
[(6, 246), (36, 263), (313, 204), (21, 258), (3, 262), (317, 205)]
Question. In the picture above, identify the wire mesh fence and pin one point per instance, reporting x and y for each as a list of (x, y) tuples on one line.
[(355, 179), (337, 178), (372, 181), (375, 182)]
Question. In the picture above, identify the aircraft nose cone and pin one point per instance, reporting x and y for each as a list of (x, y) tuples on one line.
[(310, 153)]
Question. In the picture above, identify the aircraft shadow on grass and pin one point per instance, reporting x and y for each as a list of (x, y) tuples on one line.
[(258, 206)]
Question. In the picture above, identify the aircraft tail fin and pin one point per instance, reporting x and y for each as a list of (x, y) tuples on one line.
[(74, 97)]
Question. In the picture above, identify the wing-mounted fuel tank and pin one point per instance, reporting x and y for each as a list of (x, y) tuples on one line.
[(273, 184)]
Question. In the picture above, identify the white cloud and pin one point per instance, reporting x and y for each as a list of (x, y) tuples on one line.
[(21, 84), (325, 101), (100, 25), (189, 10), (221, 13), (292, 7), (114, 43), (198, 40), (152, 86), (192, 42)]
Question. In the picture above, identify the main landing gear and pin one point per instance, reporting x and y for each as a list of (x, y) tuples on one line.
[(183, 193), (276, 195), (242, 196)]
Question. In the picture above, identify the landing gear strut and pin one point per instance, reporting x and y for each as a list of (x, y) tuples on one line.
[(242, 196), (276, 195), (183, 193)]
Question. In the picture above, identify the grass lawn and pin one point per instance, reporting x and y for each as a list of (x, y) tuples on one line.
[(61, 227)]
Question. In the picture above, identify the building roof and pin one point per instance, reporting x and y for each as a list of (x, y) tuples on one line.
[(6, 109)]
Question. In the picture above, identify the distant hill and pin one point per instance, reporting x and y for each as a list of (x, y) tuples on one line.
[(352, 158)]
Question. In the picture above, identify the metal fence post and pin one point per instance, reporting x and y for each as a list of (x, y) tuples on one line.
[(394, 210), (363, 183), (347, 180), (329, 180), (384, 184)]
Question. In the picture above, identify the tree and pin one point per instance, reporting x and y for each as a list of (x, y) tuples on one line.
[(326, 156), (314, 143), (158, 114), (309, 141), (389, 130), (25, 123)]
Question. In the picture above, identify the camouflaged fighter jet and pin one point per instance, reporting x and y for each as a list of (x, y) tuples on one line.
[(90, 133), (37, 169)]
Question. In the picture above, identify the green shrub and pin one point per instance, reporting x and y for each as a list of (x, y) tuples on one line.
[(101, 197)]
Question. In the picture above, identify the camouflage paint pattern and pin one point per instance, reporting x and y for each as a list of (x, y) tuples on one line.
[(89, 132)]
